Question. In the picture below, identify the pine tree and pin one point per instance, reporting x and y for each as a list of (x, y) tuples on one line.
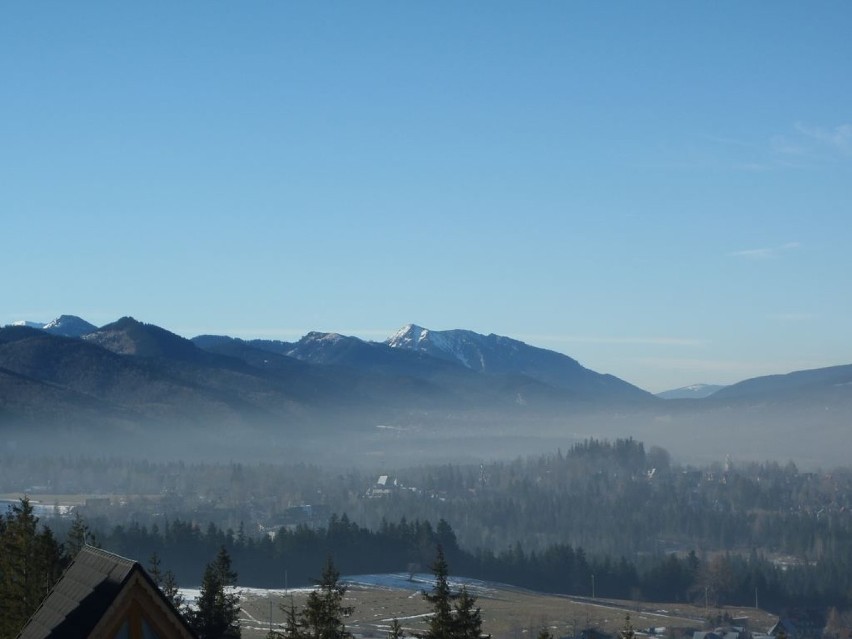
[(395, 631), (467, 622), (172, 592), (217, 616), (155, 571), (627, 631), (78, 536), (166, 583), (323, 614), (294, 627), (441, 625), (31, 561)]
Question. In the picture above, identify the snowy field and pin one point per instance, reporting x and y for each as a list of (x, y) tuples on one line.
[(507, 612), (420, 582), (416, 583)]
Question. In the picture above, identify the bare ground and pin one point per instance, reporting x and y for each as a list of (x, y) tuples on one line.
[(507, 613)]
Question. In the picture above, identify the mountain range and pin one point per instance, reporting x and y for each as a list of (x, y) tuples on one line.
[(132, 377), (65, 325), (143, 371)]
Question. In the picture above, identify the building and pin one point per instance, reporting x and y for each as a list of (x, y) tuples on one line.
[(105, 596)]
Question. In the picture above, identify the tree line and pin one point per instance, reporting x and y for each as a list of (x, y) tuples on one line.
[(32, 560), (606, 497), (720, 578)]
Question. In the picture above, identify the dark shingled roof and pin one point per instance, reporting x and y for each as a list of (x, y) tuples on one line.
[(82, 596)]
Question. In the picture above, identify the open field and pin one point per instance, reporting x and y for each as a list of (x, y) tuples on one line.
[(507, 612), (70, 500), (47, 499)]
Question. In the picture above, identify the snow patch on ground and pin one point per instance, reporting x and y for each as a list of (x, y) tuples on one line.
[(191, 595), (420, 582), (417, 584)]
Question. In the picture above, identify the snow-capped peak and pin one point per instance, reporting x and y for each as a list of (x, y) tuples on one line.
[(28, 324), (69, 326), (409, 336), (55, 323), (316, 336), (450, 345), (65, 325)]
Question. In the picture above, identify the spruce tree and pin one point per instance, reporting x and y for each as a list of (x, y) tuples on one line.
[(627, 631), (467, 622), (395, 631), (166, 583), (218, 609), (172, 592), (155, 571), (31, 561), (324, 612), (454, 616), (441, 625), (78, 536), (294, 627)]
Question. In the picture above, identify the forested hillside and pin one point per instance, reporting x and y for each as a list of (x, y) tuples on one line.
[(607, 497), (291, 557), (608, 519)]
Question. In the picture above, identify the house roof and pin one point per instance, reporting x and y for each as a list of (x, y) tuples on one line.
[(84, 594)]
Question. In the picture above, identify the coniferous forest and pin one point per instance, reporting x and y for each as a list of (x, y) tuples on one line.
[(630, 521)]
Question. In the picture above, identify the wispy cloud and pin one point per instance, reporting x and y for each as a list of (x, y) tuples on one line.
[(791, 317), (607, 339), (786, 146), (729, 141), (732, 369), (838, 138), (752, 167), (766, 253), (702, 365), (801, 146), (807, 145), (672, 372)]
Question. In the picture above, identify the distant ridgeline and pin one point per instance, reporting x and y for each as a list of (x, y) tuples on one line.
[(121, 388)]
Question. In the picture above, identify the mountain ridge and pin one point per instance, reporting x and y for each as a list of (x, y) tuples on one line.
[(475, 395), (446, 350), (65, 325), (496, 354), (151, 372)]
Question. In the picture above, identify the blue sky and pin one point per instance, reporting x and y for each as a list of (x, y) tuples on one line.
[(661, 190)]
